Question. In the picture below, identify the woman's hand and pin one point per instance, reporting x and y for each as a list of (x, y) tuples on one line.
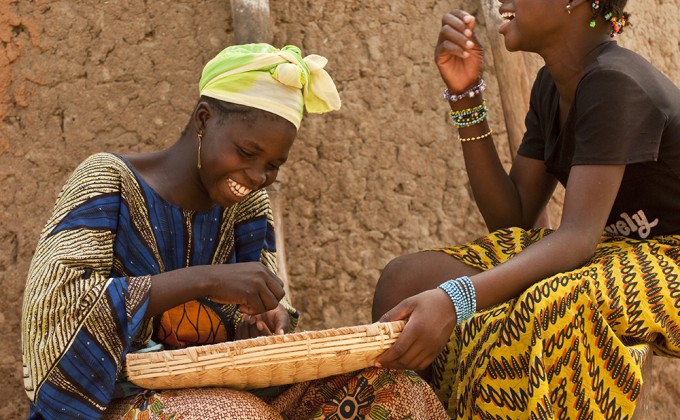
[(276, 321), (250, 285), (431, 319), (459, 54)]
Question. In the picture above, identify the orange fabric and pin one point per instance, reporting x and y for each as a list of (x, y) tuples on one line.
[(190, 324)]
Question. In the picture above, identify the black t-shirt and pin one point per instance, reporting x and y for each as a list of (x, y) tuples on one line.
[(624, 112)]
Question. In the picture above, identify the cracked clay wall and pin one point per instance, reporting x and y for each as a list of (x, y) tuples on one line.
[(381, 177)]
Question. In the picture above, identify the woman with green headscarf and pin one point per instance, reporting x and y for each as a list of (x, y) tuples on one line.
[(176, 248)]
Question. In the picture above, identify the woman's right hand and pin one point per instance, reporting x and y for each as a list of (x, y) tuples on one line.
[(250, 285), (431, 319), (459, 54)]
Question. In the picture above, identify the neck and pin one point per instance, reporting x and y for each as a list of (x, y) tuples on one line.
[(568, 62), (178, 175)]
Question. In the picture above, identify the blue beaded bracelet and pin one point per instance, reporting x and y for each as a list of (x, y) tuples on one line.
[(462, 294)]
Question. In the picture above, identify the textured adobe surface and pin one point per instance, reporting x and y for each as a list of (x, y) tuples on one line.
[(381, 177)]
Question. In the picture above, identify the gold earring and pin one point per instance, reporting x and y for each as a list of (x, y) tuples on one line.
[(200, 139), (569, 8)]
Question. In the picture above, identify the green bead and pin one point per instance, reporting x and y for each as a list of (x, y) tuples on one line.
[(592, 23)]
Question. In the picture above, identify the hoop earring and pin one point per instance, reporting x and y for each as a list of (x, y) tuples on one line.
[(200, 140)]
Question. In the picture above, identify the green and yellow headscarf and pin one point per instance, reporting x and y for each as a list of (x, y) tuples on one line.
[(275, 80)]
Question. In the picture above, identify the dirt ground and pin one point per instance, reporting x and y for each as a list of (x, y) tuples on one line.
[(381, 177)]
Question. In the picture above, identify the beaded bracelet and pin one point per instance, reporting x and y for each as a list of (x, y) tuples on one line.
[(470, 93), (483, 136), (468, 121), (469, 116), (462, 294)]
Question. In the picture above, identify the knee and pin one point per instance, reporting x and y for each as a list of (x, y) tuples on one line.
[(397, 272), (394, 285)]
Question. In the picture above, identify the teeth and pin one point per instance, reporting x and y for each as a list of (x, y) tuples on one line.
[(508, 15), (238, 189)]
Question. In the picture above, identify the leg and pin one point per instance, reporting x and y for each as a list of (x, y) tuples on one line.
[(192, 403), (367, 393), (411, 274)]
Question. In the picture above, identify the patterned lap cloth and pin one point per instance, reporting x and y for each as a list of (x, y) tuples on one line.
[(572, 345), (367, 394)]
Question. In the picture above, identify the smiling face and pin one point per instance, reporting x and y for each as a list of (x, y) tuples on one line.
[(241, 152), (531, 25)]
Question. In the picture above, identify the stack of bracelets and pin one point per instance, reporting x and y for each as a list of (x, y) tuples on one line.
[(470, 116), (462, 294)]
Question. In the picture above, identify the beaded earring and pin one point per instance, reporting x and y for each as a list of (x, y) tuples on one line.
[(596, 6)]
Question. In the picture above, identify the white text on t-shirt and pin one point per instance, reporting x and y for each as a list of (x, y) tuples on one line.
[(636, 223)]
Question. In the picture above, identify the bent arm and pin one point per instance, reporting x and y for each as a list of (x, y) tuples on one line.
[(590, 194), (505, 200), (250, 285)]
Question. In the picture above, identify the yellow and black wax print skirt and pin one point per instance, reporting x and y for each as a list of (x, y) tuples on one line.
[(570, 346)]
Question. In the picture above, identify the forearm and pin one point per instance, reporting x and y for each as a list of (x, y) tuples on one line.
[(175, 287), (558, 252), (250, 285), (494, 191)]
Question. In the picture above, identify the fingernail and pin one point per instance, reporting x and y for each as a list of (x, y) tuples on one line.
[(469, 44), (466, 54), (378, 365)]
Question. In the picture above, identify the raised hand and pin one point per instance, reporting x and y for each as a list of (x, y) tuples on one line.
[(459, 54), (431, 319)]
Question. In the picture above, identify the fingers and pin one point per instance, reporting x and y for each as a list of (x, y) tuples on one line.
[(271, 294), (252, 326), (275, 286), (410, 351), (250, 285), (247, 328), (282, 322), (401, 347), (459, 21), (431, 318), (456, 36), (401, 311), (277, 320), (262, 328)]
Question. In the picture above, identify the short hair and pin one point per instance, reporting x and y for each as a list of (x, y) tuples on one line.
[(226, 110)]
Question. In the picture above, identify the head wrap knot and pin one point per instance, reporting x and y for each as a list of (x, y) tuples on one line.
[(275, 80)]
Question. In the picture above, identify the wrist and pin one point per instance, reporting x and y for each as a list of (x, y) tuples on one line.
[(471, 91), (467, 103), (461, 291), (469, 117)]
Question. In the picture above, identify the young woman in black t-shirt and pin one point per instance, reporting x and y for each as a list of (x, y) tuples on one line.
[(528, 322)]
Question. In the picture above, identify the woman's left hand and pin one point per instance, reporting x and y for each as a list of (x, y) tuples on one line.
[(276, 321), (431, 319)]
